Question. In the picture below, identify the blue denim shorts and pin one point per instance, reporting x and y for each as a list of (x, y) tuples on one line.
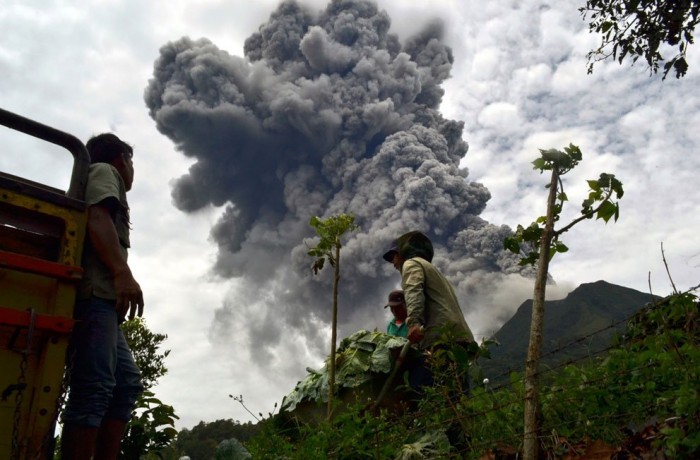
[(104, 379)]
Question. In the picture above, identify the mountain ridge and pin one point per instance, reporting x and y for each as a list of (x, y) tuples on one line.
[(582, 324)]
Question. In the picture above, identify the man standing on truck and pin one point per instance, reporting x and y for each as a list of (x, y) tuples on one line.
[(431, 301), (104, 380)]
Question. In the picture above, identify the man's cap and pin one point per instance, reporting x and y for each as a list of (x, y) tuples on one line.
[(393, 249), (395, 298)]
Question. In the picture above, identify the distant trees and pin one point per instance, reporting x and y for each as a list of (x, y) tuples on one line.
[(201, 442), (641, 28)]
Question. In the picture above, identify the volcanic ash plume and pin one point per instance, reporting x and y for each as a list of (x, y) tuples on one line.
[(326, 113)]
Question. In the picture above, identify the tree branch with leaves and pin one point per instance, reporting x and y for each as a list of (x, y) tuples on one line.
[(538, 243), (640, 28)]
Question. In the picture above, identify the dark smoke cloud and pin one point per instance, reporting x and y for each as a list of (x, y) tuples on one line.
[(327, 113)]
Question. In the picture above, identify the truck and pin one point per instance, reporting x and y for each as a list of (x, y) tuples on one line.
[(42, 230)]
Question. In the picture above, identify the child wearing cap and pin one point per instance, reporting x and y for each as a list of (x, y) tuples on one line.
[(397, 326)]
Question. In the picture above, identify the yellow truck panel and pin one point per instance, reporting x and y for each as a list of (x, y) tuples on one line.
[(41, 238)]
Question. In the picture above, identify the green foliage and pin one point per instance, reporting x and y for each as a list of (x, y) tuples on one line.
[(151, 429), (431, 445), (353, 434), (330, 231), (201, 442), (231, 449), (650, 379), (640, 28), (359, 357), (601, 191), (357, 433), (653, 376), (526, 241), (152, 426), (145, 346), (563, 162)]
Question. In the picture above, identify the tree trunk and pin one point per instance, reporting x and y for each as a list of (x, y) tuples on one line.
[(531, 439), (334, 332)]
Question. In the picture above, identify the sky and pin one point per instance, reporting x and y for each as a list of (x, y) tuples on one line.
[(248, 118)]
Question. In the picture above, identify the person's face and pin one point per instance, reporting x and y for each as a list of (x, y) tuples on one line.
[(399, 311), (397, 261), (125, 167)]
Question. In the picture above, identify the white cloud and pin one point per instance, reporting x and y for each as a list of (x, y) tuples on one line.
[(532, 80), (500, 116), (486, 64)]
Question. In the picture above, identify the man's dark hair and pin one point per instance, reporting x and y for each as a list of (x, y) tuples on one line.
[(106, 147)]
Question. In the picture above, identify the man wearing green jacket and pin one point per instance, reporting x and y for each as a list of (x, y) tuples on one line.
[(431, 301)]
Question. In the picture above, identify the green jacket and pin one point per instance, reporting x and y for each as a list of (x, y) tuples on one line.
[(431, 301)]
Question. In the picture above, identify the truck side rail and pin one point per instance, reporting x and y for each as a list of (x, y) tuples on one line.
[(81, 158)]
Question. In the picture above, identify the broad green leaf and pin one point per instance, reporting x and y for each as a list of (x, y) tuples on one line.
[(593, 184), (606, 211), (359, 357), (511, 244), (574, 152), (539, 164)]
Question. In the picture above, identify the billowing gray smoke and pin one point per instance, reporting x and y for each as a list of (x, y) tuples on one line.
[(327, 113)]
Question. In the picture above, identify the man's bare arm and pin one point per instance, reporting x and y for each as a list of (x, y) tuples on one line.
[(105, 241)]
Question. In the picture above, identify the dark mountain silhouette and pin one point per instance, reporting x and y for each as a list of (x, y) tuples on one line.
[(584, 324)]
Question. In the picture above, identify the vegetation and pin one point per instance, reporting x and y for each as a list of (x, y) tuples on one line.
[(145, 346), (359, 357), (152, 426), (543, 241), (330, 231), (202, 441), (641, 398), (641, 28)]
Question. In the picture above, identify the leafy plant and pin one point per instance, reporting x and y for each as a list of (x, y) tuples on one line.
[(542, 241), (431, 445), (330, 231), (152, 426), (145, 346), (151, 429), (359, 357)]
